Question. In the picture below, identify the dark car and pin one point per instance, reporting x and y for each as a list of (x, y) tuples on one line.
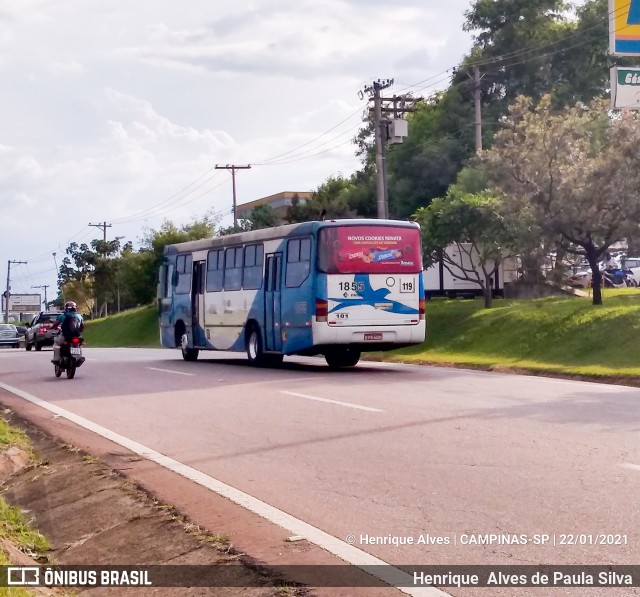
[(9, 335), (39, 332)]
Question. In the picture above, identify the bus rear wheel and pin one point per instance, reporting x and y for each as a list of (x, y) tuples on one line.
[(188, 354), (342, 357), (256, 354)]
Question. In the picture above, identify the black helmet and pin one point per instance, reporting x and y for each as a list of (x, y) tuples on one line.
[(70, 306)]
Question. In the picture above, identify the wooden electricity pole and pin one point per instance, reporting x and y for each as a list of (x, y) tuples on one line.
[(232, 168), (396, 107)]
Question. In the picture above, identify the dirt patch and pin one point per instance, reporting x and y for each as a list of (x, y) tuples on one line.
[(92, 515)]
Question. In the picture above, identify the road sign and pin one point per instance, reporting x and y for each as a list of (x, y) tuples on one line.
[(625, 88), (624, 27)]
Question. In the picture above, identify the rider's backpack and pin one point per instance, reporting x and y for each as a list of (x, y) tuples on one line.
[(70, 327)]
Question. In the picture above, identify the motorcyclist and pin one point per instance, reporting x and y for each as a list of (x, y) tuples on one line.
[(609, 262), (70, 322)]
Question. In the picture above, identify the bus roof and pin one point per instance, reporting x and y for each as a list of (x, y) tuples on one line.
[(299, 229)]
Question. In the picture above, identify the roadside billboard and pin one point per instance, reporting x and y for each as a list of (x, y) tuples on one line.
[(624, 27), (22, 303), (625, 88)]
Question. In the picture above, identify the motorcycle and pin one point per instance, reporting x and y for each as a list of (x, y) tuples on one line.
[(617, 278), (70, 357)]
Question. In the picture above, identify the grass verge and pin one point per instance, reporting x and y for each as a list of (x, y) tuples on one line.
[(135, 328), (556, 334)]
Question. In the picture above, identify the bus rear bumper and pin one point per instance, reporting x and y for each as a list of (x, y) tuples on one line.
[(369, 338)]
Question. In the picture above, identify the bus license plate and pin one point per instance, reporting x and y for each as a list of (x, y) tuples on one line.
[(77, 351), (372, 336)]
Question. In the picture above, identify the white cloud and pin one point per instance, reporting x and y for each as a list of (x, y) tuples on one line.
[(110, 108), (69, 67)]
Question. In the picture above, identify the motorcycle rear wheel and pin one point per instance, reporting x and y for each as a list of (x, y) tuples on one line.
[(71, 370)]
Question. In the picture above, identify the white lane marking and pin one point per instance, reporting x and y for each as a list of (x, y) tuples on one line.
[(350, 554), (170, 371), (634, 467), (348, 404)]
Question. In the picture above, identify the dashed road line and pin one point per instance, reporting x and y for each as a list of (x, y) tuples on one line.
[(170, 371), (338, 402)]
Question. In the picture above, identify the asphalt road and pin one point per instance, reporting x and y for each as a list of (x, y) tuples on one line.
[(383, 455)]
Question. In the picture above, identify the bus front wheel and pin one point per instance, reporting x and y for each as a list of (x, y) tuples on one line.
[(342, 357), (188, 354)]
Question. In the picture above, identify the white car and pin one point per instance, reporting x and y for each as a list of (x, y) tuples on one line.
[(581, 279), (9, 335)]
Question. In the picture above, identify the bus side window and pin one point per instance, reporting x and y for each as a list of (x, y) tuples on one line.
[(252, 272), (298, 261), (233, 269), (183, 274), (215, 270)]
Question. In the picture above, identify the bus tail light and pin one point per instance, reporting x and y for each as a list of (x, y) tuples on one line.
[(421, 308), (321, 309)]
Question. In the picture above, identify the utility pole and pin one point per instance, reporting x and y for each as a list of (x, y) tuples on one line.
[(104, 227), (232, 168), (44, 286), (373, 91), (397, 107), (7, 292), (477, 96)]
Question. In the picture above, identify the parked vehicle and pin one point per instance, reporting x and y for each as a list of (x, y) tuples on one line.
[(455, 276), (39, 332), (9, 335), (70, 357), (579, 279), (633, 265)]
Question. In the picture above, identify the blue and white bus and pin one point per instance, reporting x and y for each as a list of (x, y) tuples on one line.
[(335, 288)]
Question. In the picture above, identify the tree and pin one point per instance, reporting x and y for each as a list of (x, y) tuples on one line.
[(330, 200), (92, 271), (263, 216), (576, 173), (476, 225)]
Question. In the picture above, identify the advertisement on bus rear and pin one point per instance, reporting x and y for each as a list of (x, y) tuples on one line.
[(371, 249)]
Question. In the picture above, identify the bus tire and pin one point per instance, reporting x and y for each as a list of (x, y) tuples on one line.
[(342, 357), (255, 352), (188, 354)]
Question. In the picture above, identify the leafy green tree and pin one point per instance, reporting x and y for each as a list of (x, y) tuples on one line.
[(440, 141), (263, 216), (91, 269), (576, 173), (475, 224), (330, 200)]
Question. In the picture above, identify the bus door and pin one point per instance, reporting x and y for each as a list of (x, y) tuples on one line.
[(272, 283), (197, 302)]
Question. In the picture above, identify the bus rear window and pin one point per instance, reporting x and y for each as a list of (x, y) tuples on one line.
[(369, 249)]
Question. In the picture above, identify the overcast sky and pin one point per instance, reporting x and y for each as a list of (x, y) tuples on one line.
[(118, 111)]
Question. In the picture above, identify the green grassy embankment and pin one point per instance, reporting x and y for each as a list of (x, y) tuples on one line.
[(135, 327), (557, 334), (565, 335)]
